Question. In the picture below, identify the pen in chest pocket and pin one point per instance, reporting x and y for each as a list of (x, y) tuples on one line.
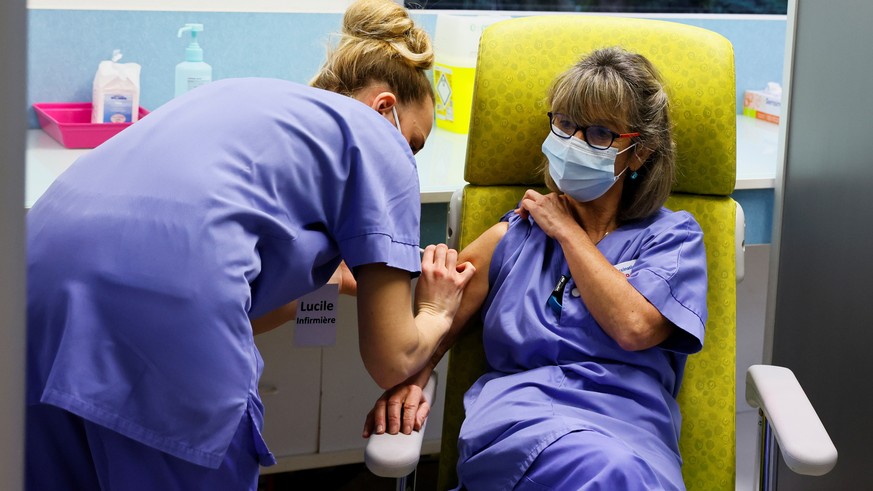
[(556, 297)]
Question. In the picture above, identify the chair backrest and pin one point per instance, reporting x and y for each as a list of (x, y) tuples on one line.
[(518, 59)]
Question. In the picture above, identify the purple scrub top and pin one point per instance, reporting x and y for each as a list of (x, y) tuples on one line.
[(148, 257), (554, 371)]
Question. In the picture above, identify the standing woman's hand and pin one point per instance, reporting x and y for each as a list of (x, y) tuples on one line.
[(442, 282), (345, 280)]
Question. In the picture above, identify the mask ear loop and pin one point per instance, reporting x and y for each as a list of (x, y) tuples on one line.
[(634, 174), (396, 119)]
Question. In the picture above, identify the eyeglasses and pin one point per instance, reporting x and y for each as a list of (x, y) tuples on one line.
[(598, 137)]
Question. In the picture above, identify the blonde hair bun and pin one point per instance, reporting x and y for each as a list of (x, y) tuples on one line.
[(384, 21), (379, 43)]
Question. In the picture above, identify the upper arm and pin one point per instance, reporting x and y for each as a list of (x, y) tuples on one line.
[(479, 253), (384, 299)]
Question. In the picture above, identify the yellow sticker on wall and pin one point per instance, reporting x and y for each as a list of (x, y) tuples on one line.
[(443, 84)]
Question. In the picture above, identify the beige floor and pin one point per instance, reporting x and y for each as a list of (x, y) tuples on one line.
[(747, 435)]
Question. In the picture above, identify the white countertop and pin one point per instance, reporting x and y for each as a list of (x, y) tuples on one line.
[(46, 159), (440, 163), (756, 153)]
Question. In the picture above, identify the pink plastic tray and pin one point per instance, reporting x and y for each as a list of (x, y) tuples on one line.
[(70, 124)]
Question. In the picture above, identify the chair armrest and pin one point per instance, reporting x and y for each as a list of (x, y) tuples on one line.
[(453, 219), (397, 455), (740, 243), (800, 434)]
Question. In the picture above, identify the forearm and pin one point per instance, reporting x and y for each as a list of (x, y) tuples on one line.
[(394, 344), (432, 347), (620, 310), (396, 349), (274, 319), (470, 307)]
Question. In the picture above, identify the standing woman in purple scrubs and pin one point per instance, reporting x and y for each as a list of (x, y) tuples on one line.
[(592, 297), (154, 259)]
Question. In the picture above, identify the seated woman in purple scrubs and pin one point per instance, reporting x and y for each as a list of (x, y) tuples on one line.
[(591, 296), (155, 257)]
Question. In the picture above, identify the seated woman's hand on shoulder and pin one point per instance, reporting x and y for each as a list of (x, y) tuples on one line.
[(552, 212)]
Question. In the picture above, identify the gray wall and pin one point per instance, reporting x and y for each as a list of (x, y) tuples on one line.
[(13, 120), (821, 318)]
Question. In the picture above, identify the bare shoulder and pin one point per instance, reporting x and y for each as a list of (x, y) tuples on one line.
[(479, 251)]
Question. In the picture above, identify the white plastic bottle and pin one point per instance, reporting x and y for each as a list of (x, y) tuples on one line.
[(115, 92), (193, 72)]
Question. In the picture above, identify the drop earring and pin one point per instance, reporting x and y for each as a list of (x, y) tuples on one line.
[(634, 176)]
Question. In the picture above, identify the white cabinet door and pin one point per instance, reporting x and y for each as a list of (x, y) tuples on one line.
[(348, 391), (290, 388)]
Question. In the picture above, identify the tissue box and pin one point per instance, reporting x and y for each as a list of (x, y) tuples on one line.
[(762, 105), (70, 124)]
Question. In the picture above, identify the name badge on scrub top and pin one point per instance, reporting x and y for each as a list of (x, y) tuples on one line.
[(316, 317), (626, 267)]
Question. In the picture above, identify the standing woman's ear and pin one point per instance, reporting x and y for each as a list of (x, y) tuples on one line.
[(383, 102), (379, 98)]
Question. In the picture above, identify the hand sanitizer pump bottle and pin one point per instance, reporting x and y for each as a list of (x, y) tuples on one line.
[(192, 72)]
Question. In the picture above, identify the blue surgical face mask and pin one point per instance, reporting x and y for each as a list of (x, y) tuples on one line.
[(582, 172)]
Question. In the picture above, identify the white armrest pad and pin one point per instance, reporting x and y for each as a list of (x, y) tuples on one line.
[(453, 219), (397, 455), (740, 243), (805, 444)]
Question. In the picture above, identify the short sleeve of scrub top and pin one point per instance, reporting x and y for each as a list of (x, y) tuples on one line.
[(149, 256), (670, 272)]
